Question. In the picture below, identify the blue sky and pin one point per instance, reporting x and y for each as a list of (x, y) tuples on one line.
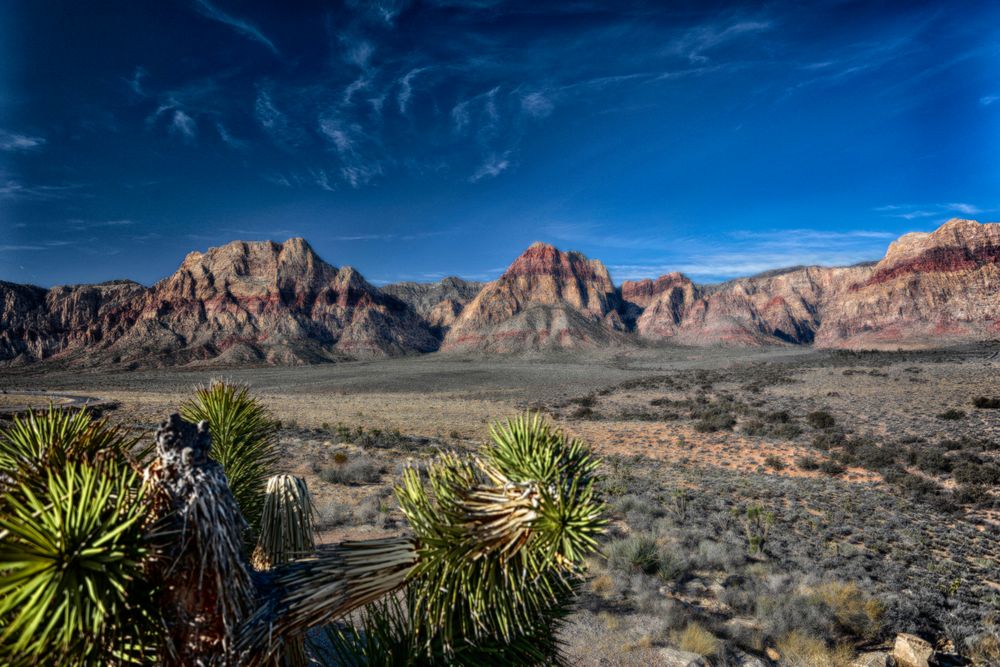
[(414, 140)]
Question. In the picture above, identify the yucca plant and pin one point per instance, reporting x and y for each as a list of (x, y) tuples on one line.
[(286, 531), (90, 555), (244, 442), (72, 544), (47, 439)]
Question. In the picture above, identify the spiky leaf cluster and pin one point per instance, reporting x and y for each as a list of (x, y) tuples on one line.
[(501, 538), (244, 442), (48, 439), (72, 544)]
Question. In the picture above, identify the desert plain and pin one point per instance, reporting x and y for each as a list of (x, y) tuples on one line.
[(877, 474)]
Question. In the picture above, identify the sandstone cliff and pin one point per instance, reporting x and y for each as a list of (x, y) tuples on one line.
[(281, 303), (929, 289), (546, 298), (263, 301)]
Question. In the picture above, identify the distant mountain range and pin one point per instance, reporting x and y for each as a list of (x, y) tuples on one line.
[(280, 303)]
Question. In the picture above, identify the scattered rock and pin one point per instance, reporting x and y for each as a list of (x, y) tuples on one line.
[(672, 657), (912, 651), (872, 659)]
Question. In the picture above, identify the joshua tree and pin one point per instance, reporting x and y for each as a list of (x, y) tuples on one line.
[(488, 570)]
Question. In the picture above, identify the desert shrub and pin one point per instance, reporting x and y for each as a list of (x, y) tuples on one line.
[(757, 523), (244, 442), (635, 553), (858, 615), (828, 440), (986, 474), (358, 471), (820, 419), (807, 463), (984, 403), (952, 415), (778, 417), (696, 638), (787, 431), (932, 461), (870, 455), (725, 555), (715, 422), (831, 467), (799, 649), (971, 494), (775, 462)]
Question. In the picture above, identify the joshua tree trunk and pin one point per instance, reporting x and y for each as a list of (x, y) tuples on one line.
[(219, 611)]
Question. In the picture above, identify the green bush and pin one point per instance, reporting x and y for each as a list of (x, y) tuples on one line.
[(952, 415), (820, 419), (635, 553)]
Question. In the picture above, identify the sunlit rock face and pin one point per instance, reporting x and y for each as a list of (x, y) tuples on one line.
[(545, 299), (260, 301)]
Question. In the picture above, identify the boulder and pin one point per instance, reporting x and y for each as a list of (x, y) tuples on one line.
[(673, 657), (912, 651)]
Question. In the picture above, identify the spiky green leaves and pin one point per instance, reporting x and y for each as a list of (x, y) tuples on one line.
[(48, 439), (244, 442), (71, 548), (501, 536)]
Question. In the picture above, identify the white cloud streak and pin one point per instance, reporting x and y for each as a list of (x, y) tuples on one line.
[(13, 142), (241, 26)]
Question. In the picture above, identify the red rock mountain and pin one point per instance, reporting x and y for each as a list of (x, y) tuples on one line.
[(546, 298), (280, 303), (261, 301), (937, 287)]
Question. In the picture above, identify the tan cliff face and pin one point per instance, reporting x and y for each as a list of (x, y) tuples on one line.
[(929, 289), (546, 298), (280, 303)]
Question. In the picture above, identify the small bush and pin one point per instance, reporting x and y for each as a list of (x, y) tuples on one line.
[(636, 553), (360, 471), (715, 422), (820, 419), (799, 649), (695, 638), (807, 463), (773, 461), (951, 415), (984, 403), (831, 467)]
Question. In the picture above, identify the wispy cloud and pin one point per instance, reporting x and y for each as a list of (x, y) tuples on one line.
[(406, 88), (492, 167), (16, 248), (921, 211), (241, 26), (14, 142), (184, 125), (13, 189), (697, 41), (987, 100)]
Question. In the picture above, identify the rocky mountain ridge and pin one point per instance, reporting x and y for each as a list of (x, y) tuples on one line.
[(270, 302)]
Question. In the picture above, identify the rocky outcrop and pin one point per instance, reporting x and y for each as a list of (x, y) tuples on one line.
[(545, 299), (438, 303), (40, 323), (929, 289), (262, 301)]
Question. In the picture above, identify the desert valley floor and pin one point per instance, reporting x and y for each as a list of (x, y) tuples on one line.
[(881, 471)]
